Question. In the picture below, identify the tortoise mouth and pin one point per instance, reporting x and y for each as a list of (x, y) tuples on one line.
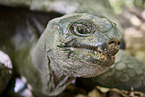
[(95, 49), (81, 46), (73, 43), (90, 53), (94, 54)]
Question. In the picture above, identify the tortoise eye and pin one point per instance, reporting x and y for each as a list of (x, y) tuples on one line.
[(82, 28), (81, 31)]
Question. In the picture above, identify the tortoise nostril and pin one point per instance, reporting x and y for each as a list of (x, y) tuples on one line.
[(112, 42), (119, 43), (111, 47), (115, 43)]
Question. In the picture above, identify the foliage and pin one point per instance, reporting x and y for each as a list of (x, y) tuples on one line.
[(118, 5)]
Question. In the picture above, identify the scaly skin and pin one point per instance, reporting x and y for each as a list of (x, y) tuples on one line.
[(75, 45), (51, 79), (69, 53), (126, 73)]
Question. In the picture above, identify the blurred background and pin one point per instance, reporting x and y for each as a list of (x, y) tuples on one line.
[(131, 15)]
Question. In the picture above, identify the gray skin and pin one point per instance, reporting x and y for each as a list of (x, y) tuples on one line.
[(68, 54), (63, 52), (74, 45), (126, 73)]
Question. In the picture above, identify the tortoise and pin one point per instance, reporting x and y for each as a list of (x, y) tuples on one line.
[(81, 40)]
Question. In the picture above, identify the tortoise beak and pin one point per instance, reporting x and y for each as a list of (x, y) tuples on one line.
[(111, 47)]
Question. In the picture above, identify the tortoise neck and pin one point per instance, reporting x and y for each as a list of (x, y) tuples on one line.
[(53, 80)]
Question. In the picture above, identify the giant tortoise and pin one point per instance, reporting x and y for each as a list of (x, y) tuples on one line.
[(52, 42)]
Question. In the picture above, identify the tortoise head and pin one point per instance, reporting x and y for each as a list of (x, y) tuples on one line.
[(83, 45)]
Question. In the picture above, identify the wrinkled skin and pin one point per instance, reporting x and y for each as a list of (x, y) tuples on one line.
[(68, 46), (79, 42), (75, 45), (126, 73), (70, 51)]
